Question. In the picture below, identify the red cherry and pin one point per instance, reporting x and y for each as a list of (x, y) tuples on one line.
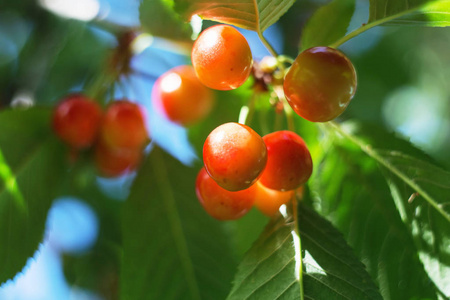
[(220, 203), (76, 120), (320, 84), (181, 97), (222, 57), (289, 163), (123, 125), (234, 156)]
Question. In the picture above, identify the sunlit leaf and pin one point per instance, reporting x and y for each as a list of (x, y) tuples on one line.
[(271, 269), (255, 15), (410, 12), (31, 166), (391, 9), (332, 271), (171, 248), (268, 270), (434, 14)]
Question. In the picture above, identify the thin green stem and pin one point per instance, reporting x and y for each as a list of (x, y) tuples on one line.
[(267, 44), (380, 159), (285, 59), (368, 26)]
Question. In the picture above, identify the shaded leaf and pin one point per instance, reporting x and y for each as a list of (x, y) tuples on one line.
[(428, 216), (256, 15), (31, 166), (350, 190), (159, 18), (171, 248), (328, 24)]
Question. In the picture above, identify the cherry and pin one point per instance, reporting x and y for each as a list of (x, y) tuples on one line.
[(268, 201), (181, 97), (76, 120), (222, 57), (220, 203), (234, 156), (112, 162), (123, 125), (289, 162), (320, 84)]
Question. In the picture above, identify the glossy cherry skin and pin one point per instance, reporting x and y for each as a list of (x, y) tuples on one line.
[(268, 201), (234, 156), (320, 84), (181, 97), (222, 57), (123, 125), (76, 120), (289, 163), (220, 203), (112, 162)]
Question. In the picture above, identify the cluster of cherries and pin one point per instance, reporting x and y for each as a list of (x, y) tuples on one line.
[(117, 134), (241, 168)]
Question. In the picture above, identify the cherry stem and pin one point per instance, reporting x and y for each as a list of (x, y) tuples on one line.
[(267, 45), (285, 59), (366, 27)]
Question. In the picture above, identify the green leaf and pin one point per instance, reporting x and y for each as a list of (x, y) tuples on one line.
[(268, 270), (159, 18), (171, 248), (426, 213), (332, 271), (31, 166), (433, 14), (328, 24), (271, 269), (391, 9), (350, 190), (399, 12), (422, 195), (256, 15)]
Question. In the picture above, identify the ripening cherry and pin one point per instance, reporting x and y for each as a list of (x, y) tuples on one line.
[(268, 201), (289, 163), (112, 162), (123, 125), (76, 120), (181, 97), (220, 203), (234, 156), (320, 84), (222, 57)]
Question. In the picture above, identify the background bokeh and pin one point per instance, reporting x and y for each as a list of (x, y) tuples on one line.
[(49, 48)]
